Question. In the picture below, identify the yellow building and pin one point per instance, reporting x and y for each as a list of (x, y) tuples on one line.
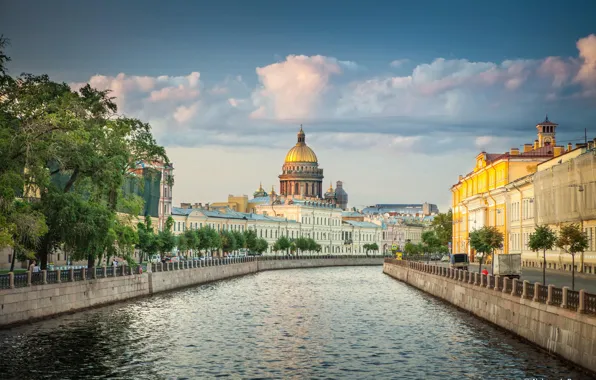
[(480, 197)]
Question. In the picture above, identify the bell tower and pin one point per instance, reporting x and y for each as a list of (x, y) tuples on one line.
[(546, 133)]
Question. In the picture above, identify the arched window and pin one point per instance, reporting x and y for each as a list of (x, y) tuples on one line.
[(296, 191), (313, 189), (306, 189)]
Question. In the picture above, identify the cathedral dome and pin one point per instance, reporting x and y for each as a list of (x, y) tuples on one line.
[(301, 152)]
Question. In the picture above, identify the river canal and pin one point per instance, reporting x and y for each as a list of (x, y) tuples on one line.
[(333, 323)]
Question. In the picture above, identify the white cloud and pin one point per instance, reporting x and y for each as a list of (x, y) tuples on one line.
[(398, 63), (587, 51), (292, 89), (184, 114)]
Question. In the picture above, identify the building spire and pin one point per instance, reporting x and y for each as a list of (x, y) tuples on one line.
[(546, 118), (301, 136)]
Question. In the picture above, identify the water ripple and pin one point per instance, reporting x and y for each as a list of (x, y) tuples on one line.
[(327, 323)]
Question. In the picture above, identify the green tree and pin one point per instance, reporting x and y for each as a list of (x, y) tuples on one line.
[(228, 242), (166, 241), (370, 247), (442, 224), (485, 241), (301, 244), (182, 243), (261, 246), (29, 225), (70, 148), (215, 241), (430, 243), (240, 239), (192, 240), (250, 238), (282, 244), (543, 238), (147, 244), (572, 240), (411, 249)]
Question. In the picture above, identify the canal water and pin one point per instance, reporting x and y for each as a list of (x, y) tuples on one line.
[(332, 323)]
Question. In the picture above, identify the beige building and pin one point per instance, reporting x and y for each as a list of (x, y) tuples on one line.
[(565, 192), (317, 220)]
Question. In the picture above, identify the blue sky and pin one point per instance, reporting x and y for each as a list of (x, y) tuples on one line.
[(388, 91)]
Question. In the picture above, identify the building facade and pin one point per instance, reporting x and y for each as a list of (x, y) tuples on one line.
[(480, 198), (317, 220), (403, 209)]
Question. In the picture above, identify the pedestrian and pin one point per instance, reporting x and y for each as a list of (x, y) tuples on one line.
[(485, 272), (32, 266), (115, 263)]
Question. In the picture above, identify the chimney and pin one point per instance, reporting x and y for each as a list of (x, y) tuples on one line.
[(536, 144), (200, 205), (557, 151), (569, 147), (514, 151), (527, 148), (461, 177)]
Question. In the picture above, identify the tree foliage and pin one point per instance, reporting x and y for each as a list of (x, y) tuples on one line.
[(371, 247), (442, 225), (572, 240), (543, 238), (484, 241), (68, 154)]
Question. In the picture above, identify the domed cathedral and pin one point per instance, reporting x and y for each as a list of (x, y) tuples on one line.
[(301, 176)]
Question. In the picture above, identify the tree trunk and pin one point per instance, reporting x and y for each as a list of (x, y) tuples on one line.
[(544, 267), (480, 266), (573, 272), (12, 260), (90, 261), (492, 263)]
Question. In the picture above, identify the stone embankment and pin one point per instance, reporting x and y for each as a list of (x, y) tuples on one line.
[(32, 296), (560, 321)]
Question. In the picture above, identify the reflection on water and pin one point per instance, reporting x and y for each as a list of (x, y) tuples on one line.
[(336, 323)]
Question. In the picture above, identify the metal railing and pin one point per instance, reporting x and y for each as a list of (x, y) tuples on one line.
[(572, 299), (557, 296), (590, 303), (25, 279), (565, 297), (542, 293)]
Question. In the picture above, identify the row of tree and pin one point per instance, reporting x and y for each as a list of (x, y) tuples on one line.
[(570, 239), (65, 157), (194, 242)]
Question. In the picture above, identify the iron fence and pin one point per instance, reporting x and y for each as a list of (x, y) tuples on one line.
[(590, 303), (52, 277), (78, 274), (557, 296), (529, 290), (64, 276), (21, 280), (542, 293), (36, 278), (4, 282), (519, 289), (572, 299)]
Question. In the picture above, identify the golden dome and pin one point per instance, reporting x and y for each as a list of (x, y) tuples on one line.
[(301, 152)]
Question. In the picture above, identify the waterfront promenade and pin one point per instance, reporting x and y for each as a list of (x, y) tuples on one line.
[(561, 321)]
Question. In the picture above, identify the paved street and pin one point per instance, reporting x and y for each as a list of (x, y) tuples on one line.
[(557, 278)]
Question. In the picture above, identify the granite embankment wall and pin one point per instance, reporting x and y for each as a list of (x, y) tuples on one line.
[(567, 333), (35, 302)]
